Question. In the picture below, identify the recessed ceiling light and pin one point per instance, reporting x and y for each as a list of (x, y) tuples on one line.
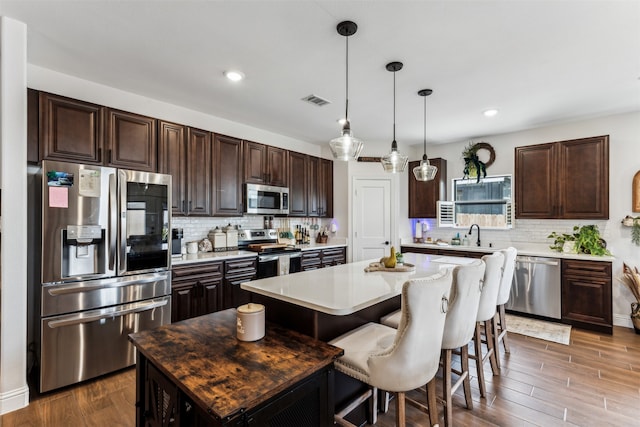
[(234, 76), (490, 113)]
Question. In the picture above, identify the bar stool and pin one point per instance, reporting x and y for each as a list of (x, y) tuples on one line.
[(500, 319), (486, 313), (459, 328), (404, 359)]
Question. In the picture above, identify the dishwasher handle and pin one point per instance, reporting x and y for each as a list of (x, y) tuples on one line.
[(538, 261)]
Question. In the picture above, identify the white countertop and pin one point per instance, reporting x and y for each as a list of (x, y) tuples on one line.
[(346, 288), (210, 256), (526, 249)]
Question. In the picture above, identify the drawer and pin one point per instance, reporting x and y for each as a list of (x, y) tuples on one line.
[(202, 269), (244, 266), (310, 256), (593, 269), (333, 252)]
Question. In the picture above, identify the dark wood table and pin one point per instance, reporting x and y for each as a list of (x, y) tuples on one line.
[(197, 373)]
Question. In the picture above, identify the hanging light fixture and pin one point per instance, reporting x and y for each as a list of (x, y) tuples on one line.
[(394, 162), (425, 171), (346, 147)]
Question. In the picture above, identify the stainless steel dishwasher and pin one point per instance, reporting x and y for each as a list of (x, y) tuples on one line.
[(536, 287)]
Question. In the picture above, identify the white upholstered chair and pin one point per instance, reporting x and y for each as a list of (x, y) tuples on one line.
[(404, 359), (459, 328), (500, 320), (486, 313)]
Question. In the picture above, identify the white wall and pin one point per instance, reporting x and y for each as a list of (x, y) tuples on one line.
[(624, 134), (14, 392)]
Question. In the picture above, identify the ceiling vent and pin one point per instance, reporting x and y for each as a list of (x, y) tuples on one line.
[(316, 100)]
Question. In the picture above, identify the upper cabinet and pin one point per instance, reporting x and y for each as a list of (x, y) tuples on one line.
[(131, 141), (264, 164), (310, 186), (228, 176), (297, 184), (187, 155), (563, 180), (424, 196), (82, 132), (325, 188), (70, 130)]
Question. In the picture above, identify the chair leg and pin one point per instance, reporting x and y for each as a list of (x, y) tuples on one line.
[(503, 327), (496, 339), (491, 353), (431, 401), (446, 388), (464, 362), (373, 406), (477, 342), (400, 410)]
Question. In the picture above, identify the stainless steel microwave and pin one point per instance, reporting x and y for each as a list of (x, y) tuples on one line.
[(266, 199)]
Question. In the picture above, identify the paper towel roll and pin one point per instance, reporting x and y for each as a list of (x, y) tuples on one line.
[(418, 234)]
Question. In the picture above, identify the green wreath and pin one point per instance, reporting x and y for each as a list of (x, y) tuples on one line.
[(473, 166)]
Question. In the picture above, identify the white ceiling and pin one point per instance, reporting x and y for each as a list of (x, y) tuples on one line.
[(538, 62)]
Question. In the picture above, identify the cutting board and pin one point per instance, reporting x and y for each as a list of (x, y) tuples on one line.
[(258, 247), (376, 266)]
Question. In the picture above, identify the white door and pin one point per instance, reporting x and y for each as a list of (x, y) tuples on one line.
[(371, 218)]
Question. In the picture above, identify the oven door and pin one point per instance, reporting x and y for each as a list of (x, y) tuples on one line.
[(272, 265), (83, 345)]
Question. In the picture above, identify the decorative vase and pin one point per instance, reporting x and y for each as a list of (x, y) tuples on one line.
[(635, 316)]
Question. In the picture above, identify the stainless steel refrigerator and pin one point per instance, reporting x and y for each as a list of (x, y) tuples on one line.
[(104, 267)]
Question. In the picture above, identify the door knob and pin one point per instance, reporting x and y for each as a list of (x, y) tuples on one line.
[(386, 242)]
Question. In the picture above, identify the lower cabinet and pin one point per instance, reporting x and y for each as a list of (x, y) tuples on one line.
[(320, 258), (442, 252), (196, 290), (236, 272), (586, 295)]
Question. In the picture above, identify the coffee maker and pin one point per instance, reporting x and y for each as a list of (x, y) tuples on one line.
[(176, 241)]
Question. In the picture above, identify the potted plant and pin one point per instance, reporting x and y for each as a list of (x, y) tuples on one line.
[(631, 279), (634, 223), (586, 240)]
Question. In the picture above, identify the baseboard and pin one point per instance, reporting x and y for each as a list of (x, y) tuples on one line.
[(622, 320), (14, 399)]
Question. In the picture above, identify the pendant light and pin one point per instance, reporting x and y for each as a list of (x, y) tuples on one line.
[(425, 171), (394, 162), (346, 147)]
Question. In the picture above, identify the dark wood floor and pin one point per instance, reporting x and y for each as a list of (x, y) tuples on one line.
[(595, 381)]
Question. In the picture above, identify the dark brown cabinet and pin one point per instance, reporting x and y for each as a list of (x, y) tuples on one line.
[(313, 172), (442, 252), (325, 188), (423, 196), (196, 290), (236, 272), (70, 130), (314, 259), (264, 164), (586, 295), (297, 184), (33, 144), (131, 141), (172, 160), (228, 176), (563, 180)]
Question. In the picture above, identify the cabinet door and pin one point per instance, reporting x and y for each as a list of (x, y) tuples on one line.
[(172, 160), (211, 298), (199, 169), (297, 184), (583, 175), (131, 141), (70, 130), (277, 166), (586, 295), (423, 196), (33, 146), (325, 188), (228, 176), (183, 301), (313, 202), (255, 162), (536, 189)]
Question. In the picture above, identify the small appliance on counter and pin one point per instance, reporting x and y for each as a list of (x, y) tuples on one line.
[(176, 242)]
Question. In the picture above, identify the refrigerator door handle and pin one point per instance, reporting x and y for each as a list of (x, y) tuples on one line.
[(113, 220), (122, 254), (75, 289), (79, 318)]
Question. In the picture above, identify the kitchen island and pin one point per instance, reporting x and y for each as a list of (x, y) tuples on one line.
[(327, 302), (196, 372)]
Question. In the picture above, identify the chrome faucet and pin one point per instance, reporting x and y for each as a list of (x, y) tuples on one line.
[(471, 229)]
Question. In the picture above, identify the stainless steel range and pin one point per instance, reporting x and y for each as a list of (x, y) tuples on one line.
[(104, 267), (274, 259)]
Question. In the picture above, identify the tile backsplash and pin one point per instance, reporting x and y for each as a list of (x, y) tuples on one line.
[(195, 228)]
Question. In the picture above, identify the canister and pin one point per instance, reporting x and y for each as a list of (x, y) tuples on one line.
[(218, 239), (250, 322), (192, 247), (232, 237)]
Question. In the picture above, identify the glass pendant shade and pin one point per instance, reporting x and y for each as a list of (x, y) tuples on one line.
[(394, 162), (425, 171), (346, 147)]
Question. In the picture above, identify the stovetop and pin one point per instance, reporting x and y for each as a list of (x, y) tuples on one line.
[(260, 241)]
